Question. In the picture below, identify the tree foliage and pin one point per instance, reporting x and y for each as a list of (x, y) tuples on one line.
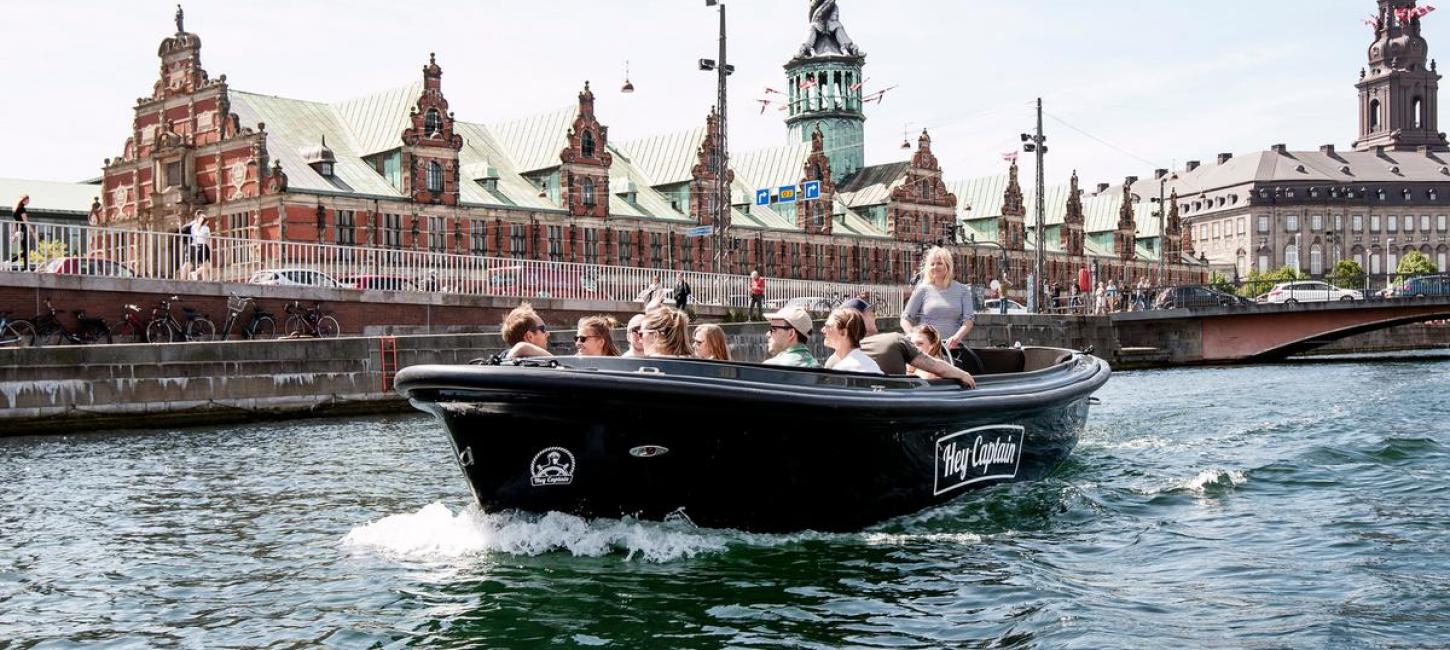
[(1219, 282), (1348, 274), (1412, 264), (1260, 283)]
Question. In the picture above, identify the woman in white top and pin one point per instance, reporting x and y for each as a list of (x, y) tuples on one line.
[(844, 330), (200, 249)]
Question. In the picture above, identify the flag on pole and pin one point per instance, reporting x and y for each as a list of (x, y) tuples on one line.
[(772, 91), (808, 83), (1010, 156), (857, 86)]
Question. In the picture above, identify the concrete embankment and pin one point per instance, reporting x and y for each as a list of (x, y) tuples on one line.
[(86, 388)]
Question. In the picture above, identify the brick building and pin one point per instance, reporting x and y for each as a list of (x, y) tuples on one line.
[(397, 169)]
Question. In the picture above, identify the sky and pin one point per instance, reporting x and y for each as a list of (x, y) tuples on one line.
[(1128, 85)]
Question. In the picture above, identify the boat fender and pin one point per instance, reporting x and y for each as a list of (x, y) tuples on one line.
[(1094, 401), (649, 451)]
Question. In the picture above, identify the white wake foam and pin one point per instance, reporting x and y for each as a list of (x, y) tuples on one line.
[(1215, 479), (436, 532)]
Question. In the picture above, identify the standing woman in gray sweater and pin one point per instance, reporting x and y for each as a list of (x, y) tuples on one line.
[(940, 301)]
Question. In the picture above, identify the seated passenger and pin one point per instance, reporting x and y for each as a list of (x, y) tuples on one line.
[(844, 329), (892, 351), (595, 337), (636, 340), (790, 329), (525, 333), (709, 343), (666, 333), (928, 340)]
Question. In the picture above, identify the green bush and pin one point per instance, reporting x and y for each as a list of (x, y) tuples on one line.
[(1412, 264), (1347, 274), (1218, 282)]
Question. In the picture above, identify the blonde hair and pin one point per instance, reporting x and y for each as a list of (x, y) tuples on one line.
[(933, 339), (519, 321), (672, 332), (601, 327), (715, 346), (933, 253)]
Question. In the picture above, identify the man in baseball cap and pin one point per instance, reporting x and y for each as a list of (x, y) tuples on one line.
[(790, 329)]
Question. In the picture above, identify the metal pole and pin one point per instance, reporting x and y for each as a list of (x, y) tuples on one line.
[(1037, 289), (723, 213)]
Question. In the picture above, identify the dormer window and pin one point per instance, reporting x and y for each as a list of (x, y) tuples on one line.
[(325, 169), (586, 144), (435, 177), (432, 122)]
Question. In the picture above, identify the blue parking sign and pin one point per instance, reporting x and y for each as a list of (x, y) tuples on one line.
[(787, 194), (762, 197), (811, 190)]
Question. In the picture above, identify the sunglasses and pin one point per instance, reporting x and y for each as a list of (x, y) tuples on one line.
[(540, 328), (634, 330), (786, 328), (581, 339)]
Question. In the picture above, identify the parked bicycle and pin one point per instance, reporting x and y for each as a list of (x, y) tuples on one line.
[(262, 325), (165, 328), (50, 331), (18, 333), (310, 321), (131, 328)]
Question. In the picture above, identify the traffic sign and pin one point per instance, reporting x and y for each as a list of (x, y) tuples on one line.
[(762, 197), (700, 231), (786, 194), (811, 190)]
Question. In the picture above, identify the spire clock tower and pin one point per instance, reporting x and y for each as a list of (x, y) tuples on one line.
[(824, 91), (1398, 92)]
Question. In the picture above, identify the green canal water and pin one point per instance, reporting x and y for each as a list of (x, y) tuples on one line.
[(1290, 506)]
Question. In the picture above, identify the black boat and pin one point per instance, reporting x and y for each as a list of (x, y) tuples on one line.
[(758, 448)]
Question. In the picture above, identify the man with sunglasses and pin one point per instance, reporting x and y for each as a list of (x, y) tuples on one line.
[(636, 339), (525, 333), (790, 329)]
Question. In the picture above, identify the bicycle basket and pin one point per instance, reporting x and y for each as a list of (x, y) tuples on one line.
[(237, 303)]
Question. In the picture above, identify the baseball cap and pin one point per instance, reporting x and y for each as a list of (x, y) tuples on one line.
[(856, 304), (796, 317)]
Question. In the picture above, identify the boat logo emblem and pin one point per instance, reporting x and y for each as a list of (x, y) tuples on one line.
[(552, 466), (987, 453), (648, 451)]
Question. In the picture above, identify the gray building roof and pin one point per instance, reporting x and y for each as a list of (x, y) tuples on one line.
[(49, 196)]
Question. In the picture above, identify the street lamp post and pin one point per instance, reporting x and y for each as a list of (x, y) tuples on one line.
[(722, 70), (1035, 145)]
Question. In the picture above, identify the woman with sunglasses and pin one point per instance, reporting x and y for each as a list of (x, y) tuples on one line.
[(594, 338), (666, 333), (709, 343)]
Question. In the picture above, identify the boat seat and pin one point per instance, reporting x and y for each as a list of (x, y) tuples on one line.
[(1001, 361)]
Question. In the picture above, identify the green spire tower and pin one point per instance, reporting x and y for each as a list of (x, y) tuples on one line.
[(824, 91)]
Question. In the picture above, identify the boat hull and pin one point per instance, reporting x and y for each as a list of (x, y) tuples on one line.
[(736, 456)]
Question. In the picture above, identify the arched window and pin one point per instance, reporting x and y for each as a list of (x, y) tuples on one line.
[(432, 122), (1440, 259), (1316, 260), (435, 177), (1263, 261), (1374, 114), (586, 144), (1291, 256), (1242, 263), (587, 189), (1417, 110), (1374, 263)]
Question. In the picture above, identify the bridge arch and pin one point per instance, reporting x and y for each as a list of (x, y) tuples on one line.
[(1308, 343)]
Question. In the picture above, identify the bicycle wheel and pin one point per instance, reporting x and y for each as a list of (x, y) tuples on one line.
[(18, 334), (50, 336), (263, 328), (327, 327), (201, 329), (294, 326), (160, 331)]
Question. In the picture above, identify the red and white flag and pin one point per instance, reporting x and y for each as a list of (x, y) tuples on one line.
[(1373, 22), (1010, 156), (808, 83), (772, 91), (857, 86)]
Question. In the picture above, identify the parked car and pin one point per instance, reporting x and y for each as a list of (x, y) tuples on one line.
[(994, 306), (378, 283), (1197, 297), (294, 278), (1420, 287), (87, 266), (1308, 291), (537, 282)]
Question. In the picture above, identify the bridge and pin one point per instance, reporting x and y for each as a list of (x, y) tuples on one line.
[(1259, 333)]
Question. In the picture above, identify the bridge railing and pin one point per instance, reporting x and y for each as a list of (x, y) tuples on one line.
[(1248, 294), (110, 252)]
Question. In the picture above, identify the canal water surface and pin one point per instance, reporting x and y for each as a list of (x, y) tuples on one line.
[(1303, 505)]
